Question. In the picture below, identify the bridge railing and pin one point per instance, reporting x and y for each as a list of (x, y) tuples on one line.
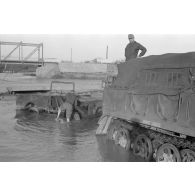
[(18, 49)]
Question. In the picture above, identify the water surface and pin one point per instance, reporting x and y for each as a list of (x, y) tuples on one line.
[(26, 136), (30, 137)]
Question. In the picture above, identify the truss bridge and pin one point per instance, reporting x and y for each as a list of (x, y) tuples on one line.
[(20, 53)]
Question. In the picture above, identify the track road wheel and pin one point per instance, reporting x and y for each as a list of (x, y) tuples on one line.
[(187, 155), (76, 116), (98, 112), (143, 147), (168, 153), (156, 143), (123, 138), (113, 130)]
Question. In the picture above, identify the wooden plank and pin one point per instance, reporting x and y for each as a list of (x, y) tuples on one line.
[(105, 129), (104, 123)]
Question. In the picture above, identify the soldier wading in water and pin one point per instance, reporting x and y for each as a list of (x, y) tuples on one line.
[(68, 106)]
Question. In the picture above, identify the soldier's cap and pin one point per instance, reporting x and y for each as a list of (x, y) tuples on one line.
[(131, 36)]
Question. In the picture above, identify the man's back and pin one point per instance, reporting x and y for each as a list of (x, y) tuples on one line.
[(70, 98)]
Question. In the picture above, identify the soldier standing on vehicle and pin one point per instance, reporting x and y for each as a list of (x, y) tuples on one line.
[(133, 48)]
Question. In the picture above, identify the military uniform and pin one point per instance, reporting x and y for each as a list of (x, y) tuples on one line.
[(132, 50), (68, 105)]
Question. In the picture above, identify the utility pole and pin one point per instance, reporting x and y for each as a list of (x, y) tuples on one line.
[(0, 51), (107, 52), (22, 53), (71, 55), (42, 54)]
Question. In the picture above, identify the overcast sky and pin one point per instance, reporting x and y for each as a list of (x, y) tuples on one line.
[(87, 47)]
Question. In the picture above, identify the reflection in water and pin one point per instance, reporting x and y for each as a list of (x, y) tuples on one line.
[(32, 137), (74, 141), (26, 136), (113, 153)]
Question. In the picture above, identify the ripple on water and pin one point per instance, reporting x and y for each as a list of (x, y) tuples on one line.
[(33, 137)]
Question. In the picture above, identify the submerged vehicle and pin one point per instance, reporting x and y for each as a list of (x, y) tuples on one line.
[(89, 103), (150, 107)]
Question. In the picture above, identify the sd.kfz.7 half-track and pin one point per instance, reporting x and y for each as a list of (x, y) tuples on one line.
[(150, 107)]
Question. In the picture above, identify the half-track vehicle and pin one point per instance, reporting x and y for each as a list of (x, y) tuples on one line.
[(150, 107)]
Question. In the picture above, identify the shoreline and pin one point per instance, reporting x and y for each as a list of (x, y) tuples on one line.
[(18, 81)]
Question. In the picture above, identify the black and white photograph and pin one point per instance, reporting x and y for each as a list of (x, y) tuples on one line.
[(124, 99), (95, 95)]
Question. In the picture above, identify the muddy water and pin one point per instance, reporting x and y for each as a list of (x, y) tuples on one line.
[(30, 137)]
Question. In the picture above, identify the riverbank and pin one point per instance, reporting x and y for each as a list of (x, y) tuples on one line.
[(80, 75), (19, 81), (68, 70), (17, 68)]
